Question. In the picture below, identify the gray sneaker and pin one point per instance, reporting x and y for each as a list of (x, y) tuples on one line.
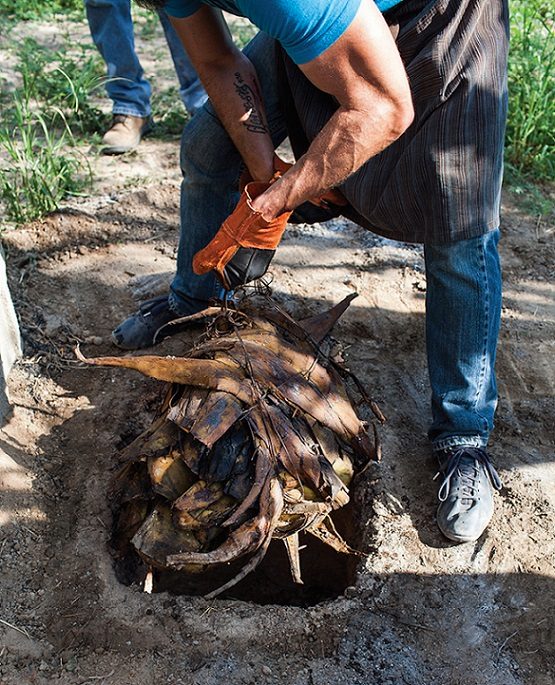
[(144, 328), (465, 495)]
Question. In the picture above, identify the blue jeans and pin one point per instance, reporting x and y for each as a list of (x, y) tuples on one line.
[(463, 300), (463, 311), (111, 29)]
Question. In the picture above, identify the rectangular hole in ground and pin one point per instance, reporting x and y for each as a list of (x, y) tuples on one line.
[(326, 573)]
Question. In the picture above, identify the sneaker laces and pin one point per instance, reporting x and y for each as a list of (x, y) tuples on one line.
[(466, 462)]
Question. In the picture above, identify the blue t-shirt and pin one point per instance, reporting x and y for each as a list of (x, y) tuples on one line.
[(305, 28)]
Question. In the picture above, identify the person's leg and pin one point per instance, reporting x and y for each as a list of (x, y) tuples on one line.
[(111, 29), (211, 168), (463, 307), (191, 89)]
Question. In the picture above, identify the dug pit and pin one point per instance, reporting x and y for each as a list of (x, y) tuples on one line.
[(326, 573)]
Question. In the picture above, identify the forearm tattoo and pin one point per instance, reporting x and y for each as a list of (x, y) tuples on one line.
[(250, 96)]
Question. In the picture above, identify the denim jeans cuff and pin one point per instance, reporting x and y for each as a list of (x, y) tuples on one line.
[(456, 441), (131, 111)]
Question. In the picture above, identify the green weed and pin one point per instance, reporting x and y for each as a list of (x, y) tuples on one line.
[(243, 32), (169, 113), (63, 81), (42, 168), (530, 141), (29, 9), (145, 21)]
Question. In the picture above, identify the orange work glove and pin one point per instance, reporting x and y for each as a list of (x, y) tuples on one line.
[(242, 249)]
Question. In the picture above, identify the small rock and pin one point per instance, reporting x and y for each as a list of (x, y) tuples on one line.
[(71, 664), (43, 666), (266, 670), (94, 340), (52, 324)]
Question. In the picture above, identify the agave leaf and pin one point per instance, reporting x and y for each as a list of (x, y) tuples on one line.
[(158, 439), (294, 523), (202, 373), (202, 503), (317, 327), (169, 475), (313, 329), (332, 410), (239, 485), (341, 464), (310, 467), (205, 519), (230, 455), (184, 413), (248, 538), (327, 533), (292, 547), (157, 537), (193, 452), (263, 470), (327, 406), (274, 507), (215, 417), (274, 351)]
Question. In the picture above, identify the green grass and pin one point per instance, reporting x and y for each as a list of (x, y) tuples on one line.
[(63, 81), (170, 116), (18, 10), (41, 167), (40, 162), (530, 140)]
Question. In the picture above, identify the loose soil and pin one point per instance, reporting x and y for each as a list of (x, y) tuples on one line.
[(419, 611)]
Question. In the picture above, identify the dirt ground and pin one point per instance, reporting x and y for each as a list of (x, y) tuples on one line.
[(418, 610)]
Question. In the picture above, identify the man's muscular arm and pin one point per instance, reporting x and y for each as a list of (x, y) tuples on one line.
[(364, 72), (232, 85)]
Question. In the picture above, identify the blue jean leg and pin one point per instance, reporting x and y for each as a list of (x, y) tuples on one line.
[(191, 89), (463, 309), (111, 29), (211, 168)]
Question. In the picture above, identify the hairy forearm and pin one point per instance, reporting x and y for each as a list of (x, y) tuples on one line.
[(234, 90), (349, 139)]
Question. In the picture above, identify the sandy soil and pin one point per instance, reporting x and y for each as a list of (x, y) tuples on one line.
[(418, 611)]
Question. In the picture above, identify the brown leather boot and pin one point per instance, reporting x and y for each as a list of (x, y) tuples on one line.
[(124, 134)]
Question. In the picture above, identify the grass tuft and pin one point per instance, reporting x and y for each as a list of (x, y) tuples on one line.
[(18, 10), (42, 167), (62, 81), (530, 140)]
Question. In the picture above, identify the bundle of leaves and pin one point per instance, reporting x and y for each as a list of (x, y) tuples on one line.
[(256, 439)]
